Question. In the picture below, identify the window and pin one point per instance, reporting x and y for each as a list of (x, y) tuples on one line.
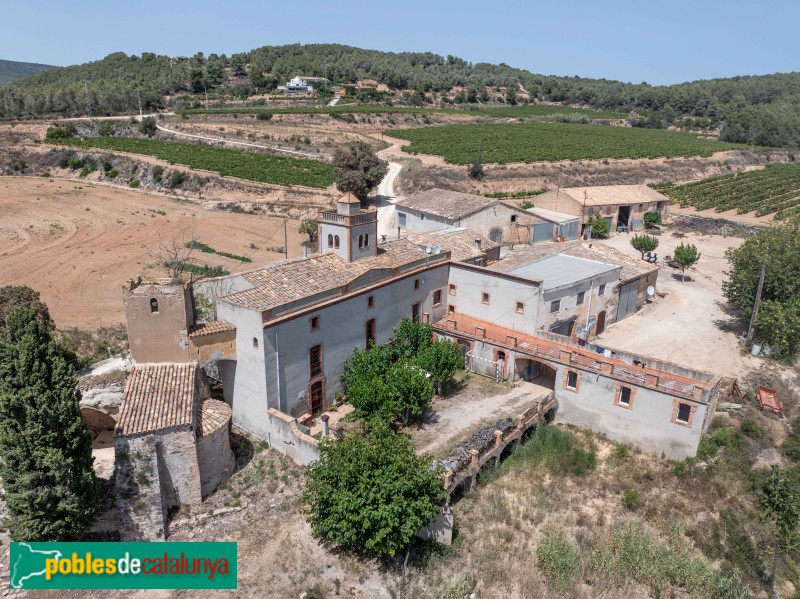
[(581, 296), (153, 305), (360, 241), (437, 297), (317, 397), (366, 240), (602, 290), (451, 309), (555, 306), (572, 379), (416, 284), (330, 240), (684, 413), (370, 333), (336, 241), (415, 312), (625, 396), (452, 289), (513, 218), (421, 217), (485, 298), (315, 323), (401, 219), (255, 342), (371, 301), (315, 361), (520, 309)]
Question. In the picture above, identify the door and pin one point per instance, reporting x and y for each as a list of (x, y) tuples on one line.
[(415, 312), (627, 299), (601, 323), (317, 397), (543, 232), (496, 235)]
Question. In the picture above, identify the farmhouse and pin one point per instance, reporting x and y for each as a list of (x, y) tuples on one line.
[(623, 206), (279, 335), (438, 209)]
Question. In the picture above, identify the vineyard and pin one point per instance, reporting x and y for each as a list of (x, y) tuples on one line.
[(775, 189), (550, 142), (265, 168), (522, 111)]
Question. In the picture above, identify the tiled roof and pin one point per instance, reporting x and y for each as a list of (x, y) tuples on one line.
[(632, 267), (459, 242), (603, 195), (157, 397), (448, 204), (349, 198), (209, 328), (214, 414), (291, 280)]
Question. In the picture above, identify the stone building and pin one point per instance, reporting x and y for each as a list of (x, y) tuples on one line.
[(171, 446)]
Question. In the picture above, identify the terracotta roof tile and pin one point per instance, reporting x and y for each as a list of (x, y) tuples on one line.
[(214, 414), (209, 328), (157, 397), (604, 195), (459, 242), (448, 204)]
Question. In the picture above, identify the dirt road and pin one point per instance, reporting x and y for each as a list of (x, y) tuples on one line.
[(78, 244)]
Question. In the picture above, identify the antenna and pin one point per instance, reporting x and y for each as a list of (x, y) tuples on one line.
[(437, 250), (428, 249), (651, 291)]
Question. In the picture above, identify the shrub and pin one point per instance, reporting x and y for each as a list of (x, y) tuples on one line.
[(651, 219), (751, 428), (264, 116), (112, 174), (557, 450), (558, 560), (632, 500), (158, 173), (791, 446), (148, 126), (64, 132), (176, 179), (134, 183), (85, 171)]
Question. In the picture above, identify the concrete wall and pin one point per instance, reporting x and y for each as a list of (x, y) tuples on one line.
[(569, 307), (207, 292), (370, 229), (203, 347), (647, 424), (284, 436), (244, 382), (178, 468), (417, 222), (326, 229), (503, 292), (559, 202), (342, 328), (637, 213), (499, 217), (158, 336)]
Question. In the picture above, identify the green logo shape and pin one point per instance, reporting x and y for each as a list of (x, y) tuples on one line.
[(122, 566)]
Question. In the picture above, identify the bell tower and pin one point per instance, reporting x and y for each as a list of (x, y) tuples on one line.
[(351, 233)]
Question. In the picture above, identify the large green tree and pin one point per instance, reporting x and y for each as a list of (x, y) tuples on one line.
[(442, 359), (371, 494), (19, 296), (778, 321), (358, 169), (46, 465), (686, 256), (402, 392), (644, 243)]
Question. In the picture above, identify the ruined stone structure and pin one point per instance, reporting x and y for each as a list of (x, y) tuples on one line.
[(171, 446)]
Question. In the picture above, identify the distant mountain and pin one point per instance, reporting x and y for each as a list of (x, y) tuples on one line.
[(11, 70), (763, 110)]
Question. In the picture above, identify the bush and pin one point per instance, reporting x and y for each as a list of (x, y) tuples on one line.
[(791, 446), (64, 132), (85, 172), (558, 560), (112, 174), (148, 126), (599, 226), (557, 450), (176, 179), (264, 116), (652, 219), (134, 183), (158, 173), (632, 500), (751, 428)]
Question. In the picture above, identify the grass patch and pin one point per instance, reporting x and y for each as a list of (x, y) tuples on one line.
[(207, 249), (559, 451), (558, 560), (200, 270)]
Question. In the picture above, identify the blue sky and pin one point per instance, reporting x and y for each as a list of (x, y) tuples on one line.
[(657, 42)]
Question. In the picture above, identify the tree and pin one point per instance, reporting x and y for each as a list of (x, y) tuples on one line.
[(401, 392), (366, 364), (47, 474), (173, 254), (148, 126), (442, 359), (511, 94), (644, 243), (475, 169), (410, 338), (651, 219), (779, 314), (309, 227), (358, 170), (371, 495), (20, 296), (599, 226), (780, 502), (686, 256)]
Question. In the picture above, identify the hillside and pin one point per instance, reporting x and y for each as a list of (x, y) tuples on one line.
[(764, 110), (12, 71)]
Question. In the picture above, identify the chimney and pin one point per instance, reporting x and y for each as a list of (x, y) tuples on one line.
[(478, 243), (325, 429), (305, 251)]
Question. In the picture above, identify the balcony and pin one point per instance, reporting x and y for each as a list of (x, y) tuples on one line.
[(366, 216)]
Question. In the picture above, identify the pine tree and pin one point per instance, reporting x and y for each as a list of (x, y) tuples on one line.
[(46, 466)]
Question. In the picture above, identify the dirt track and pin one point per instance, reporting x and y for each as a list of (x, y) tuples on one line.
[(78, 244)]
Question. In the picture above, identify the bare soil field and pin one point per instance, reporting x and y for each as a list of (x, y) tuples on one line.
[(78, 244), (692, 325)]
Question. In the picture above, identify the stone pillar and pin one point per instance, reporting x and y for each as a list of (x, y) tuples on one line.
[(325, 430), (498, 438), (473, 457)]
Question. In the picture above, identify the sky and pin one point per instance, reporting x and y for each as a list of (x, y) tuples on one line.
[(657, 42)]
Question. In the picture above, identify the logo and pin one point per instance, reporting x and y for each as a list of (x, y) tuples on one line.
[(122, 566)]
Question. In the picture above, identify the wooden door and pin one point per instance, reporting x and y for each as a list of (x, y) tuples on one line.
[(317, 397), (601, 323)]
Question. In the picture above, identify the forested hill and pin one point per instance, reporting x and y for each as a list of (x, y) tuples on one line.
[(764, 110), (11, 70)]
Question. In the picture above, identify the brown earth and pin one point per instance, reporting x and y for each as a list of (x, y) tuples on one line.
[(78, 244)]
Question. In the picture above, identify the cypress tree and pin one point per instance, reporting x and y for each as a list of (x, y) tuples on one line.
[(45, 451)]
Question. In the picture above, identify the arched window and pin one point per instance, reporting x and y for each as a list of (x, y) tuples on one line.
[(366, 240), (153, 305), (361, 241), (336, 241), (330, 241)]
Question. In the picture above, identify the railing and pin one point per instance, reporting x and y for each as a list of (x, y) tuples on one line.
[(342, 219), (628, 374)]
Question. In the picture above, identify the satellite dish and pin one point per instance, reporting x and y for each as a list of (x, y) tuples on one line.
[(428, 249), (651, 291), (437, 250)]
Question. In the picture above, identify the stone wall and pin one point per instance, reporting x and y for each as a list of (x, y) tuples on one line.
[(138, 493), (215, 457), (178, 468)]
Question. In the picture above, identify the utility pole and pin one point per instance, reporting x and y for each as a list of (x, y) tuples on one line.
[(139, 95), (205, 87), (749, 337), (285, 241), (88, 99)]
